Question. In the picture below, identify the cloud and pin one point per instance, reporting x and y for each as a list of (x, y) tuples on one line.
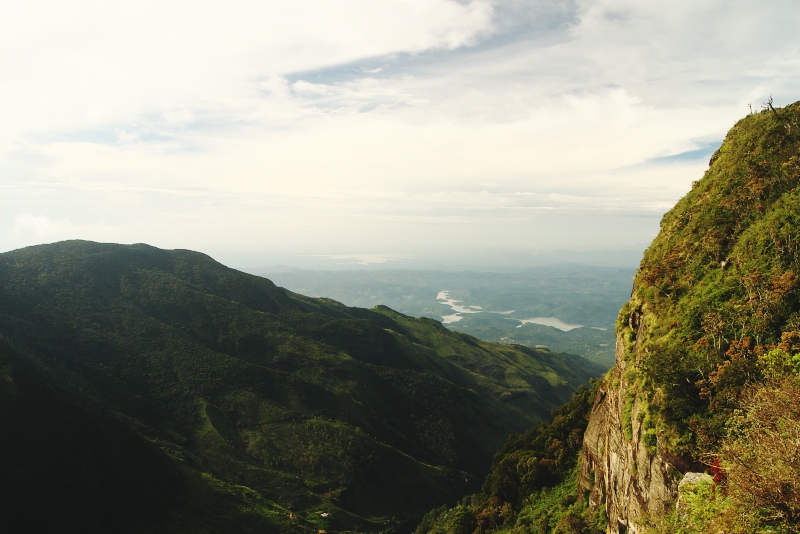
[(41, 226), (305, 88), (127, 137), (362, 259), (94, 63)]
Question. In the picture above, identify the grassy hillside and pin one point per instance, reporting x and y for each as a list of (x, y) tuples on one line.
[(719, 285), (714, 321), (711, 333), (267, 407)]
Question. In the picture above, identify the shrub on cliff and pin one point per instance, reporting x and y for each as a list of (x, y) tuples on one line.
[(757, 463), (762, 453)]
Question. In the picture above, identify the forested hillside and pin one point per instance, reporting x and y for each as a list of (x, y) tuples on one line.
[(533, 484), (152, 390)]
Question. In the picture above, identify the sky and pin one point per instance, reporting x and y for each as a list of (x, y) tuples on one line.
[(374, 132)]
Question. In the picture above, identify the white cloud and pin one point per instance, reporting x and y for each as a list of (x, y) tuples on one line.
[(304, 87), (91, 63), (124, 136), (40, 225)]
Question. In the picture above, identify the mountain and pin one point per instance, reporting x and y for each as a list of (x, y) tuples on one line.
[(159, 391), (716, 293), (714, 306), (697, 427)]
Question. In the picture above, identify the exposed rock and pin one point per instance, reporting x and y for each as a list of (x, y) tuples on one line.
[(622, 475), (690, 482)]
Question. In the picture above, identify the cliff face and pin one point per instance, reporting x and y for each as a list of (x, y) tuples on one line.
[(626, 478)]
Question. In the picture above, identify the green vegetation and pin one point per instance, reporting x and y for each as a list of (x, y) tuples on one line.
[(591, 343), (756, 487), (713, 330), (532, 487), (159, 391), (718, 286)]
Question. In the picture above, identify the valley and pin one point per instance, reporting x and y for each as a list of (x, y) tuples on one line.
[(567, 308)]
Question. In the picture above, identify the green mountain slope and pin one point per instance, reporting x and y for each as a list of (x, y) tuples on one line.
[(69, 467), (532, 485), (720, 282), (712, 325), (714, 320), (267, 407)]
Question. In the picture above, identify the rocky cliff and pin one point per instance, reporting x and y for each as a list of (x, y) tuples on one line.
[(625, 477)]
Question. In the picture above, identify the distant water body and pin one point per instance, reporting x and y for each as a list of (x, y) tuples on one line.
[(444, 298), (457, 306), (550, 321)]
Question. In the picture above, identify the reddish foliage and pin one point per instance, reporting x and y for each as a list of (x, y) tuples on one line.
[(790, 342), (718, 472)]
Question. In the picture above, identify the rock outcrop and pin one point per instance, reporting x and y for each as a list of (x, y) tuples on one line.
[(630, 477), (629, 480)]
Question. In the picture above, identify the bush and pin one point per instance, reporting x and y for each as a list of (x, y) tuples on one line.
[(762, 455)]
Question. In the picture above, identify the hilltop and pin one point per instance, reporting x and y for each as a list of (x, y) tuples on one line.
[(154, 390)]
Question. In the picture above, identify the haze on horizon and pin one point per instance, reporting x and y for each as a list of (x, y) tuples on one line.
[(353, 131)]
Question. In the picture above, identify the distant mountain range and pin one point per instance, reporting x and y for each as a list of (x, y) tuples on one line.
[(500, 305), (159, 391)]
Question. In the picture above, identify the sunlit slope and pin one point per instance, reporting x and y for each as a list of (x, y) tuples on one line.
[(522, 376), (269, 403), (713, 319), (719, 283)]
